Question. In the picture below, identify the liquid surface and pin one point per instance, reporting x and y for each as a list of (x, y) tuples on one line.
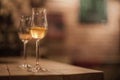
[(38, 32), (25, 36)]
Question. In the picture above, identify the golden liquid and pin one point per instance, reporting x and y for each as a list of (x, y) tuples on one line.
[(25, 36), (38, 32)]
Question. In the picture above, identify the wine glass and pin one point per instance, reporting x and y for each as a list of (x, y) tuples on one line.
[(38, 31), (25, 36)]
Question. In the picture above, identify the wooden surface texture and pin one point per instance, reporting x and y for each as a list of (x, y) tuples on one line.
[(9, 70)]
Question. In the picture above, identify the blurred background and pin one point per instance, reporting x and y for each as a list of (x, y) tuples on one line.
[(84, 33)]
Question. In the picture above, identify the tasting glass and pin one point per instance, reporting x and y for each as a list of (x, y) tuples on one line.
[(38, 31), (25, 36)]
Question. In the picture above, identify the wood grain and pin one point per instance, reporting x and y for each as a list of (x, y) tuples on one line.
[(56, 71)]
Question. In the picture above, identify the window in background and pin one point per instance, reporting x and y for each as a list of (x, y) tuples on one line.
[(92, 11)]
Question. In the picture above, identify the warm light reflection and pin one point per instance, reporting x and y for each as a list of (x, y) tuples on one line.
[(38, 32)]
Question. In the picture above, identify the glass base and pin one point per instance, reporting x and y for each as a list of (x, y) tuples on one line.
[(25, 66), (38, 68)]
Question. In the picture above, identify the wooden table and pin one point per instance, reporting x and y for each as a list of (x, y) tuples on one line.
[(9, 70)]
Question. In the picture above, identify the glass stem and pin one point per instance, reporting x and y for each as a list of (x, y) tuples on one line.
[(24, 51), (37, 52)]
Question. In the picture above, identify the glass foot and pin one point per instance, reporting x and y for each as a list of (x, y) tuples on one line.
[(38, 68), (25, 66)]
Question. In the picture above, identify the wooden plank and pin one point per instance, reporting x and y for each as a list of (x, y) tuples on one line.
[(4, 74), (65, 68), (18, 74), (40, 77), (70, 72), (56, 71)]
